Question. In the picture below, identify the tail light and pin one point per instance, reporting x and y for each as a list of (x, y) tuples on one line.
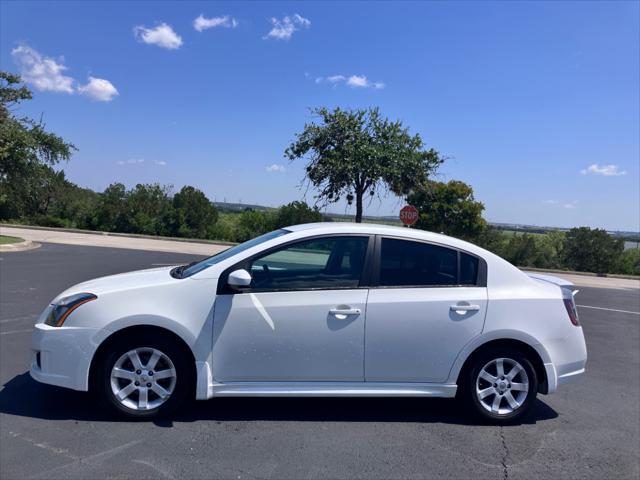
[(570, 305)]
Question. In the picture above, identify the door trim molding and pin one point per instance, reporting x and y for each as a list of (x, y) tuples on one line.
[(331, 389)]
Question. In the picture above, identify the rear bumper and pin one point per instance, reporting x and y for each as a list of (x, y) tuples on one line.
[(62, 355), (569, 357)]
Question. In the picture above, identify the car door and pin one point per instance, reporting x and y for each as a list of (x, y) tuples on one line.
[(426, 302), (302, 317)]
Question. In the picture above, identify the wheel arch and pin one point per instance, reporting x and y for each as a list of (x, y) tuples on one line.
[(534, 351), (138, 330)]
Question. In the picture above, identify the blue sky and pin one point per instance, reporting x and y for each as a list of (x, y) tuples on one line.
[(536, 104)]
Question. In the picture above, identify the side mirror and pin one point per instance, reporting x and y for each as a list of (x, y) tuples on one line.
[(239, 279)]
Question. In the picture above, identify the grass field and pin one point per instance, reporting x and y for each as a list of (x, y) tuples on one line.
[(4, 240)]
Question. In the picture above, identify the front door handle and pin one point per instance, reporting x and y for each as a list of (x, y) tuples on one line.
[(343, 313), (464, 308)]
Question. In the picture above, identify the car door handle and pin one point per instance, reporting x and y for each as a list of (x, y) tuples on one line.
[(343, 313), (462, 309)]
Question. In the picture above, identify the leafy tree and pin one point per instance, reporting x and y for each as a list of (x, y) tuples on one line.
[(353, 153), (629, 262), (252, 223), (492, 239), (448, 208), (519, 250), (588, 250), (149, 210), (195, 214), (111, 212), (27, 153), (296, 213)]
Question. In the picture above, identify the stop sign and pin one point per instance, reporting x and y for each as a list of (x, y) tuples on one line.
[(409, 215)]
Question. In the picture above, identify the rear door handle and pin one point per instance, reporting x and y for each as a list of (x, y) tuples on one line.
[(462, 309), (343, 313)]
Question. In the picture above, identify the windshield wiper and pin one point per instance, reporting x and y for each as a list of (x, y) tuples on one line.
[(178, 271)]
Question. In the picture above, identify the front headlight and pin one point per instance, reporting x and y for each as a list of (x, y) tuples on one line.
[(63, 307)]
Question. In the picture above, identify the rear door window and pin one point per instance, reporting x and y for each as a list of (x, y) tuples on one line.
[(418, 264)]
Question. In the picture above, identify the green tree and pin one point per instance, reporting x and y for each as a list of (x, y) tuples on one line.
[(149, 210), (111, 212), (295, 213), (195, 214), (492, 239), (353, 153), (252, 223), (587, 250), (448, 208), (629, 262), (27, 153)]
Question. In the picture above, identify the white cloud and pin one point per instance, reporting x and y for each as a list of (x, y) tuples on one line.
[(131, 161), (44, 73), (571, 205), (606, 170), (98, 89), (551, 202), (162, 163), (275, 168), (202, 23), (354, 81), (336, 78), (284, 29), (162, 36)]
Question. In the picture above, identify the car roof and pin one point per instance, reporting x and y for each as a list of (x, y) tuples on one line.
[(371, 228)]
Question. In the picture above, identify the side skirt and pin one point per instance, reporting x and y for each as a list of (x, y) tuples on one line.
[(328, 389)]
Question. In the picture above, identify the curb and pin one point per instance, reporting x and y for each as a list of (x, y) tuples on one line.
[(584, 274), (118, 234), (19, 247)]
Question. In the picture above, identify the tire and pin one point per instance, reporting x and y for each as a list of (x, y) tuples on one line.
[(146, 391), (505, 400)]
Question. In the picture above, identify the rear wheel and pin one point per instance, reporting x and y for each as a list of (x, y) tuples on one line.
[(144, 378), (500, 385)]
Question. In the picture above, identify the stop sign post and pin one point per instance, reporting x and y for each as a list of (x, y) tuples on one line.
[(409, 215)]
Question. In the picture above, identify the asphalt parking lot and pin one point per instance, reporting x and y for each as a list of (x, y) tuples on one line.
[(589, 429)]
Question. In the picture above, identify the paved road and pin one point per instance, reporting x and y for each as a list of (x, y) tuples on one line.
[(589, 429)]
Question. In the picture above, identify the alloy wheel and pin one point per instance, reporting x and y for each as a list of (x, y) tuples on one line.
[(143, 378), (502, 386)]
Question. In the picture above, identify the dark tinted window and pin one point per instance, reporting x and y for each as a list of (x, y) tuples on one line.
[(329, 262), (468, 269), (405, 263)]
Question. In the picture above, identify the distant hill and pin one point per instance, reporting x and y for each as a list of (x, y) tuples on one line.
[(238, 207)]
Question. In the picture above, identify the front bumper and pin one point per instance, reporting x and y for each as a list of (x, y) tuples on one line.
[(62, 355)]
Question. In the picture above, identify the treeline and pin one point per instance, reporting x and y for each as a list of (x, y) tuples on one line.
[(149, 209), (580, 249)]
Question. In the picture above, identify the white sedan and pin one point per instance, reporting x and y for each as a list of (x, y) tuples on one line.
[(329, 309)]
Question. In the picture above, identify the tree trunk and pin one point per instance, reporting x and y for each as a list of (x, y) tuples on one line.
[(359, 206)]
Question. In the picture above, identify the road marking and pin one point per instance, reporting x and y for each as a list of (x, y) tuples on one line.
[(19, 319), (609, 309), (17, 331)]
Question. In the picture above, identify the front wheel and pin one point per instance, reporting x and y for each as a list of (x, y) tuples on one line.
[(500, 386), (143, 379)]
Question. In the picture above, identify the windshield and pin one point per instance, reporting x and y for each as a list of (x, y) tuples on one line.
[(228, 253)]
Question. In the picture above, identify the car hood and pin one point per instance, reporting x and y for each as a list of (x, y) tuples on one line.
[(123, 281)]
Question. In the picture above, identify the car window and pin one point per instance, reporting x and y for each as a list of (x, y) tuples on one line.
[(230, 252), (468, 269), (328, 262), (406, 263)]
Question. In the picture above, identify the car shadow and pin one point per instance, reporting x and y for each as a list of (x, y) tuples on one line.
[(22, 396)]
